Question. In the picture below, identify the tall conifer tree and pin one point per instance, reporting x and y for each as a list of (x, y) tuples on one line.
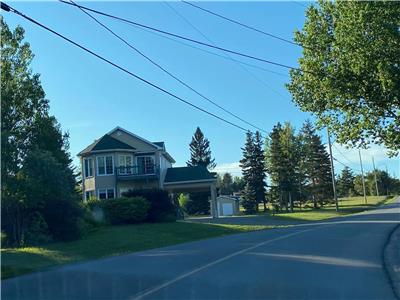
[(200, 152)]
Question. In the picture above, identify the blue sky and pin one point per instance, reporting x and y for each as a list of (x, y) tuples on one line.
[(90, 98)]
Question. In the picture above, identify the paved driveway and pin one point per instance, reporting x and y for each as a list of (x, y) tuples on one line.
[(328, 260)]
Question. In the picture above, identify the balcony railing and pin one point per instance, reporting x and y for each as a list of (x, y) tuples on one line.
[(150, 170)]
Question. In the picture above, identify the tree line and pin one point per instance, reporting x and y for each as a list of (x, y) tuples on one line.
[(292, 168)]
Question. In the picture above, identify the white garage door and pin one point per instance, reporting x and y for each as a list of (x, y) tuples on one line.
[(227, 209)]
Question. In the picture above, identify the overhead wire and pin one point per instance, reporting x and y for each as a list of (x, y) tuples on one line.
[(254, 76), (189, 39), (241, 23), (152, 61), (8, 8)]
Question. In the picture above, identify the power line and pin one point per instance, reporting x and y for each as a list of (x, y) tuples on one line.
[(167, 72), (8, 8), (343, 164), (212, 53), (189, 39), (241, 24), (337, 149), (227, 55)]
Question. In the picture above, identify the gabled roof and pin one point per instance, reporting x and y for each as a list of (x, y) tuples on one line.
[(160, 144), (182, 174), (106, 142), (135, 136)]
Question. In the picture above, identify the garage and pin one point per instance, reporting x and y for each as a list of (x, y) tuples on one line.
[(227, 206)]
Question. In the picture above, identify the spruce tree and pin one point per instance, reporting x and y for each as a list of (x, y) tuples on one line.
[(259, 170), (249, 201), (275, 165), (253, 170), (226, 183), (315, 164), (345, 183), (200, 153)]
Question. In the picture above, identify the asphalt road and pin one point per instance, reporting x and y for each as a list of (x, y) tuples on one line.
[(339, 259)]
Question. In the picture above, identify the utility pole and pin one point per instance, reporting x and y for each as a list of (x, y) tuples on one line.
[(386, 183), (333, 171), (376, 182), (362, 176)]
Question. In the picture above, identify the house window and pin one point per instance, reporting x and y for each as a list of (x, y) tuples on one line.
[(110, 193), (105, 165), (125, 164), (88, 167), (106, 193), (89, 195), (145, 164), (123, 190)]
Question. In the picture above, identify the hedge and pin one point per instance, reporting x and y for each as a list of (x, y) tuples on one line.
[(126, 210)]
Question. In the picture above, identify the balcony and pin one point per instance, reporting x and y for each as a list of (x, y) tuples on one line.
[(150, 171)]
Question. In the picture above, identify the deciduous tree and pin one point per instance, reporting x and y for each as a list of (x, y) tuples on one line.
[(350, 70)]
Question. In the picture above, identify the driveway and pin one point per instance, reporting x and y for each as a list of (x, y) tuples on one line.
[(327, 260)]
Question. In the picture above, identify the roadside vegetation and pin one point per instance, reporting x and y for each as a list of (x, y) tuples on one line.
[(347, 206), (107, 241)]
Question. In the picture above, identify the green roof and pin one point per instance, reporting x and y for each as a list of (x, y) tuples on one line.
[(106, 142), (159, 144), (188, 174)]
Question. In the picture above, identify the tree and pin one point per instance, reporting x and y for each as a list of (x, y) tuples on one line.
[(350, 75), (28, 131), (200, 153), (282, 158), (386, 184), (345, 183), (259, 170), (238, 184), (253, 170), (249, 201), (316, 164), (358, 186), (226, 183), (275, 165)]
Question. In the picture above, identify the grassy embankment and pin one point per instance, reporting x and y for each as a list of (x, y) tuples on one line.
[(346, 206), (109, 241)]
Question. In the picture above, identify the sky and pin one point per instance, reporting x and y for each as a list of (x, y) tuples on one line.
[(90, 98)]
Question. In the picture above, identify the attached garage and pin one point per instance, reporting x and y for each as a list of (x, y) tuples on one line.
[(227, 206)]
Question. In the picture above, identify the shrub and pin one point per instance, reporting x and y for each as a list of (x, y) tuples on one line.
[(126, 210), (38, 231), (198, 203), (64, 218), (162, 209)]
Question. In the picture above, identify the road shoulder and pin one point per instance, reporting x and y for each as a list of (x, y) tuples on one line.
[(391, 256)]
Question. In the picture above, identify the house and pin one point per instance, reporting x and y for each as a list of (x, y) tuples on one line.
[(121, 160)]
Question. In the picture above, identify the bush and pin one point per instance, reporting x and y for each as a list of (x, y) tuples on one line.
[(162, 209), (198, 203), (38, 231), (64, 218), (126, 210)]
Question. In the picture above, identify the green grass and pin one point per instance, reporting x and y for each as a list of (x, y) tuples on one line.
[(346, 206), (110, 241)]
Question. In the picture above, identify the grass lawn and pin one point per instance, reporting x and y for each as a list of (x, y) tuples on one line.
[(346, 206), (110, 241)]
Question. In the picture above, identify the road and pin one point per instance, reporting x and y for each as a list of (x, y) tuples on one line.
[(339, 259)]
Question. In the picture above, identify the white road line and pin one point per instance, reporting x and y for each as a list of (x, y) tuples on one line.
[(148, 292)]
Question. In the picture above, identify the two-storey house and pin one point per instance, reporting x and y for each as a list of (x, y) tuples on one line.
[(121, 160)]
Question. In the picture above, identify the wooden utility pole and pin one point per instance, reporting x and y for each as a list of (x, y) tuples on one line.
[(362, 176), (332, 171), (376, 182)]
